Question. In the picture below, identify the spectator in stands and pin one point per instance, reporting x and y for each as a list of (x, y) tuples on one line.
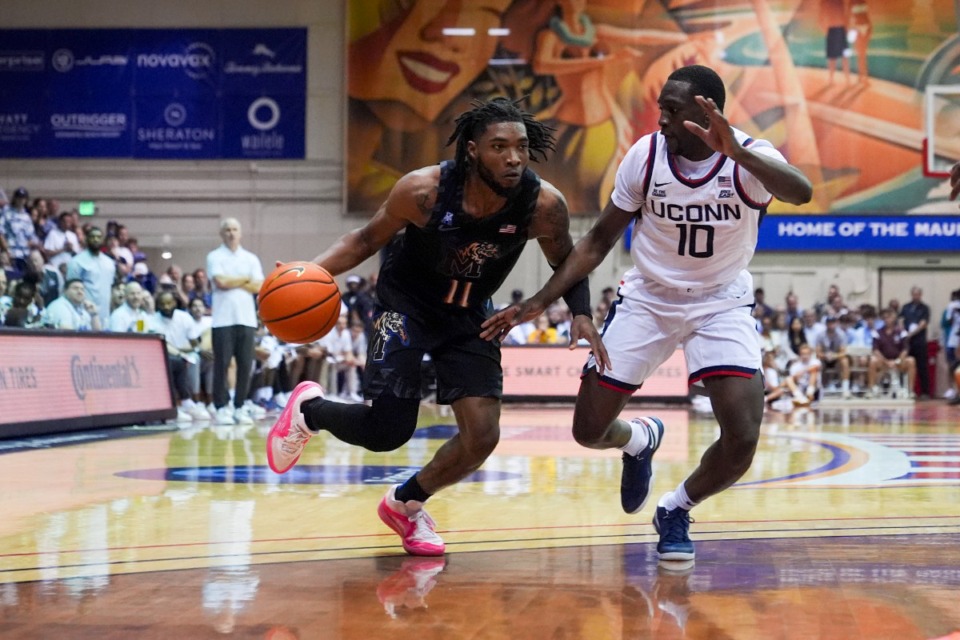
[(950, 329), (795, 338), (359, 346), (123, 251), (543, 333), (24, 312), (110, 248), (131, 316), (134, 245), (201, 318), (183, 346), (237, 275), (19, 230), (141, 273), (803, 379), (188, 286), (95, 270), (831, 350), (792, 307), (203, 287), (762, 309), (360, 304), (61, 242), (339, 345), (560, 319), (774, 388), (49, 279), (890, 354), (72, 310), (812, 328), (6, 264), (5, 300), (915, 317), (175, 275)]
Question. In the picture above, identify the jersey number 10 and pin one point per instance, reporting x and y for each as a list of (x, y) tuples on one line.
[(693, 236)]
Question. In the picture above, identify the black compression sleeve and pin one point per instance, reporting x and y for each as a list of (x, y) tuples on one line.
[(577, 298)]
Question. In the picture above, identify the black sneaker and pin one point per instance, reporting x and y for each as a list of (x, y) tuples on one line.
[(673, 527), (637, 476)]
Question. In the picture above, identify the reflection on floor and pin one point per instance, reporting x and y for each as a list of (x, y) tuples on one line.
[(846, 526)]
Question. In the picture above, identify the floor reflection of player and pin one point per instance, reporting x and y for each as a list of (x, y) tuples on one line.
[(408, 586), (403, 73)]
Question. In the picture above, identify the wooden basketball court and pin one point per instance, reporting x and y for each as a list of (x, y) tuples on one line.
[(847, 526)]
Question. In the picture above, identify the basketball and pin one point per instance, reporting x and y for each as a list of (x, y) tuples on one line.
[(299, 302)]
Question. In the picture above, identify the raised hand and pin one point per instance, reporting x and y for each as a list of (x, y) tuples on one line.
[(718, 136)]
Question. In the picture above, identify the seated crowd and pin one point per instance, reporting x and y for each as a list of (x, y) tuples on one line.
[(70, 275)]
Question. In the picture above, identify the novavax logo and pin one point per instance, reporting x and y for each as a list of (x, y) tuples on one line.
[(196, 60)]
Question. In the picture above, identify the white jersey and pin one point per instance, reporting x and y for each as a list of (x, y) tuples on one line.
[(697, 221)]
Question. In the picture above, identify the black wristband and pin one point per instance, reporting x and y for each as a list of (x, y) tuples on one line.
[(577, 298)]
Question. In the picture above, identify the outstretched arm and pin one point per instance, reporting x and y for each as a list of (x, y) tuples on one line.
[(410, 201), (588, 253), (783, 180)]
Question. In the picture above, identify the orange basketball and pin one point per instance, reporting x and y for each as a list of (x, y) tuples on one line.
[(299, 302)]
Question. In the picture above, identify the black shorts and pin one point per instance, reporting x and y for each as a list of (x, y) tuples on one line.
[(466, 365), (836, 42)]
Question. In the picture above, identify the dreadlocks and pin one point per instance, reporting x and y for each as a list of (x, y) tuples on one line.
[(471, 124)]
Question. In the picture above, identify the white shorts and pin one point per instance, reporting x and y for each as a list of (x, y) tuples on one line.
[(714, 326)]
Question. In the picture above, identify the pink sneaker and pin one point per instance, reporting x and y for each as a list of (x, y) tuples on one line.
[(416, 528), (290, 434)]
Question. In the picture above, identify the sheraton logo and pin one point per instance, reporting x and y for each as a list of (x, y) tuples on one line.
[(92, 375)]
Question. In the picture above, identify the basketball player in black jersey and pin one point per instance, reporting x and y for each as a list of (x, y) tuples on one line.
[(464, 225)]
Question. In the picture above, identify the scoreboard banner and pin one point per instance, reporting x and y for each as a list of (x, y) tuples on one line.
[(153, 93)]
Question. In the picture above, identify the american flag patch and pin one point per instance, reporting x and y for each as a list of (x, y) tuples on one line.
[(724, 181), (508, 228)]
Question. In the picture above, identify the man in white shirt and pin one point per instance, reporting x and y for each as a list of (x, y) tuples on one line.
[(236, 275), (72, 310), (61, 243), (131, 316), (183, 342)]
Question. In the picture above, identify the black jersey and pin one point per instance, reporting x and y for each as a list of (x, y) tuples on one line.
[(456, 261)]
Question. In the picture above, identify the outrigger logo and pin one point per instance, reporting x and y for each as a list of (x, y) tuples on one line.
[(122, 374)]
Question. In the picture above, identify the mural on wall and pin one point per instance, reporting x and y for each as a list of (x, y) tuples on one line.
[(837, 85)]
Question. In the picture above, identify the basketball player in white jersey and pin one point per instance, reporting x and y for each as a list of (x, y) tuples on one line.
[(697, 189)]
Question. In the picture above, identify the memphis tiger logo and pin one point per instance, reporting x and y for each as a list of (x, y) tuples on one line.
[(388, 325), (468, 261)]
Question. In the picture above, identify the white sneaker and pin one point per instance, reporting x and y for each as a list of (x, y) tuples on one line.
[(199, 412), (243, 416), (225, 415), (183, 416), (254, 410)]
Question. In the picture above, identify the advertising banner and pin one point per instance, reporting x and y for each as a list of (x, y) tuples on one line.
[(860, 233), (153, 93), (544, 372), (64, 381)]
